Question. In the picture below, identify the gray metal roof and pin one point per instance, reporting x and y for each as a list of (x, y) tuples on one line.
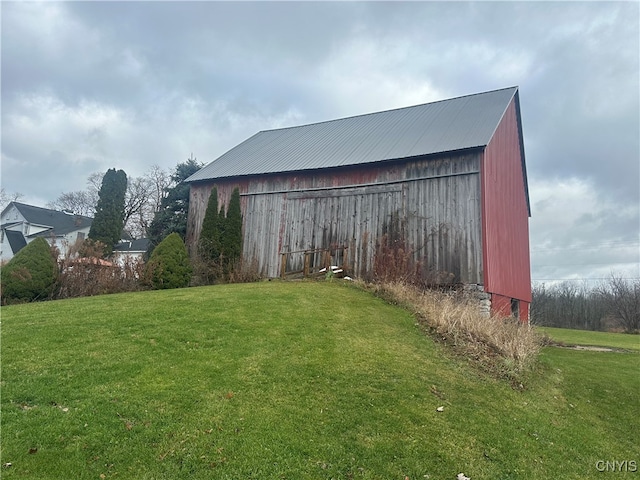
[(448, 125)]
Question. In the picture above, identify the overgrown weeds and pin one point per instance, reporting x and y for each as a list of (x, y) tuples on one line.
[(85, 277), (501, 346), (83, 273), (213, 272)]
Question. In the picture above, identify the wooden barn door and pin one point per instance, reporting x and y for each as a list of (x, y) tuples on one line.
[(343, 221)]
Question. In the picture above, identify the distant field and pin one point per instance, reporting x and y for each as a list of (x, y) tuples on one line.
[(585, 337), (295, 380)]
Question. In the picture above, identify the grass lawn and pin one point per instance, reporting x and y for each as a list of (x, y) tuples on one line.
[(296, 380), (599, 339)]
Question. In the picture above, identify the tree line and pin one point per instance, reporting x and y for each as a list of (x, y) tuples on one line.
[(612, 305), (154, 204), (37, 272)]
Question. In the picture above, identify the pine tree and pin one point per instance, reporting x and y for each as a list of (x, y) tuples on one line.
[(232, 230), (210, 235), (109, 218), (174, 208)]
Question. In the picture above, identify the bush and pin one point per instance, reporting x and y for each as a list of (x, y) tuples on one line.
[(219, 250), (31, 274), (231, 240), (83, 273), (169, 265), (210, 234)]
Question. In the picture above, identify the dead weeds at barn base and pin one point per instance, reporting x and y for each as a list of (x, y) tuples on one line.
[(500, 346)]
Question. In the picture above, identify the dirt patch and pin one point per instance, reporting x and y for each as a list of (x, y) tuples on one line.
[(590, 348), (546, 341)]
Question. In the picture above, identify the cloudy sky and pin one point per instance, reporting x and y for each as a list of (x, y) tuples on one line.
[(88, 86)]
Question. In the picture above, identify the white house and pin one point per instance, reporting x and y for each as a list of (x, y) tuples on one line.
[(130, 250), (21, 223)]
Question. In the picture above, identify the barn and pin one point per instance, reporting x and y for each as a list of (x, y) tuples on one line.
[(439, 188)]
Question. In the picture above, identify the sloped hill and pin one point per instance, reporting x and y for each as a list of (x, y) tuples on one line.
[(290, 380)]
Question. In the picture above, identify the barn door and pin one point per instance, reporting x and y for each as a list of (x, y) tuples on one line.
[(312, 226), (338, 220)]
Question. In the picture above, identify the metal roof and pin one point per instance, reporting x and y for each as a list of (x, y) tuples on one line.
[(448, 125)]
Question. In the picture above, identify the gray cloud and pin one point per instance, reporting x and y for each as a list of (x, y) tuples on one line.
[(88, 86)]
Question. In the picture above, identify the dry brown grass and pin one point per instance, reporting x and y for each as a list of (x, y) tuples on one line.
[(504, 347)]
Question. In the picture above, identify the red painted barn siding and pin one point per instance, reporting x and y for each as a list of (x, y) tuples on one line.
[(500, 304), (505, 217)]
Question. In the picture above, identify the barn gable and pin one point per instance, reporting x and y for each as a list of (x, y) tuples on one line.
[(426, 175)]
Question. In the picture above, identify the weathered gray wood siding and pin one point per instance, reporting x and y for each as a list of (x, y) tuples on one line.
[(437, 202)]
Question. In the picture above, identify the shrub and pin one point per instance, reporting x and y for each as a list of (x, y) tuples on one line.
[(169, 265), (31, 274), (83, 273), (220, 246), (211, 229), (232, 231)]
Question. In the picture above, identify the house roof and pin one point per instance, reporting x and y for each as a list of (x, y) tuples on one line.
[(432, 128), (16, 240), (60, 223), (138, 245)]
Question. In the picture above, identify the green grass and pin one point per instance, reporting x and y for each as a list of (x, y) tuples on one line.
[(568, 336), (290, 380)]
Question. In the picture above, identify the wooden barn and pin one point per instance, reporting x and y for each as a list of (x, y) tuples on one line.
[(439, 188)]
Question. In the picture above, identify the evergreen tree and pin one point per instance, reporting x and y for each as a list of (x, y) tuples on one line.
[(169, 265), (31, 274), (174, 208), (232, 230), (210, 235), (109, 218)]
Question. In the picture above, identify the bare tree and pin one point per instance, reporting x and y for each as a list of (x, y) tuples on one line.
[(161, 181), (94, 182), (136, 201), (80, 203), (8, 197), (622, 298), (567, 305), (143, 199)]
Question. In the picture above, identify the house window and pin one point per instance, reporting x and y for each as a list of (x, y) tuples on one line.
[(80, 236), (515, 308)]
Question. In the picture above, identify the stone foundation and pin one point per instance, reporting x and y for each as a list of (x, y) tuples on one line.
[(477, 293)]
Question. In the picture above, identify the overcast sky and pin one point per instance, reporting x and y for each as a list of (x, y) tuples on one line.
[(88, 86)]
